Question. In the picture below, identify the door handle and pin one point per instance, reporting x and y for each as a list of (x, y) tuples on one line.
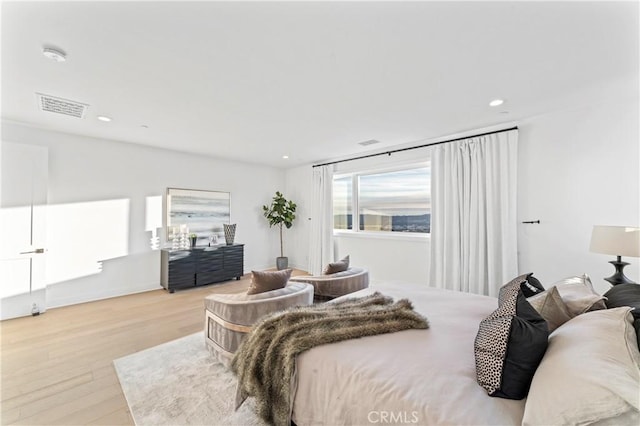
[(37, 251)]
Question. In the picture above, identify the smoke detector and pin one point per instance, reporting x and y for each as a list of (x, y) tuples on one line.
[(54, 54), (62, 106), (369, 142)]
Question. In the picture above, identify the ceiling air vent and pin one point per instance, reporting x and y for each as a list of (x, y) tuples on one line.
[(369, 142), (50, 103)]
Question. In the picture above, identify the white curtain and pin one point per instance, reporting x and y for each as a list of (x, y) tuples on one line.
[(321, 250), (473, 213)]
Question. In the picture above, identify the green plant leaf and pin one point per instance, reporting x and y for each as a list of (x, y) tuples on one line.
[(280, 212)]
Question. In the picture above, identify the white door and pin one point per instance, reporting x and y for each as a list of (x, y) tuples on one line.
[(23, 202)]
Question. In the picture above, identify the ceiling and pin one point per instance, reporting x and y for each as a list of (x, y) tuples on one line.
[(254, 81)]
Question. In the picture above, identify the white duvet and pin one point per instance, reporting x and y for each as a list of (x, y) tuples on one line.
[(423, 377)]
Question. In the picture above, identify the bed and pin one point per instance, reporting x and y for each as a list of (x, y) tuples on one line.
[(429, 376)]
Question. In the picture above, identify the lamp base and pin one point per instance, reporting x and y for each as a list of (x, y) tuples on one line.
[(619, 277)]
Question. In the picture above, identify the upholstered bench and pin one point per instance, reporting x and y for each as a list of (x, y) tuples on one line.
[(330, 286), (229, 317)]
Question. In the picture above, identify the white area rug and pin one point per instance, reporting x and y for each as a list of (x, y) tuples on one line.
[(180, 383)]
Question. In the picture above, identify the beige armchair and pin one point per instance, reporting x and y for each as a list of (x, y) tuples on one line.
[(229, 317), (328, 287)]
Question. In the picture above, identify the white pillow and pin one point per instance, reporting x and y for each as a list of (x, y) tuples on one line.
[(589, 373)]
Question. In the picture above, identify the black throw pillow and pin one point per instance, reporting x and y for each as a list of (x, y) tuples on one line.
[(510, 343), (626, 295), (532, 286)]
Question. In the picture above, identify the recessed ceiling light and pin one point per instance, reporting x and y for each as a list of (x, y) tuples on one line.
[(103, 118), (54, 54), (285, 157), (496, 102)]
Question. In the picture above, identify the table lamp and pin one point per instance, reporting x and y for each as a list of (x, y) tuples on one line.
[(618, 241)]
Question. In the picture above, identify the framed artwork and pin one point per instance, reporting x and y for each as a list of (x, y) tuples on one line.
[(198, 212)]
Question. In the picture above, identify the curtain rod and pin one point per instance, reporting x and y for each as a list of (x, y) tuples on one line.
[(414, 147)]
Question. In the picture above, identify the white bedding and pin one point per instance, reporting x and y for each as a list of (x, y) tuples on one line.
[(410, 377)]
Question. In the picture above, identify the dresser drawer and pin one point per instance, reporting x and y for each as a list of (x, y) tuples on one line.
[(201, 266), (210, 260), (203, 278)]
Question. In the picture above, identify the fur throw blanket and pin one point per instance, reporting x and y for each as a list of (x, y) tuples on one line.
[(265, 362)]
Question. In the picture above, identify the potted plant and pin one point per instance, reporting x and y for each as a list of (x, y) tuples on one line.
[(280, 212)]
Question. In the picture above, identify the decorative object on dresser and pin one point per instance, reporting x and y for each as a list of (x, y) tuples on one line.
[(201, 266), (192, 211), (618, 241), (229, 232), (280, 212)]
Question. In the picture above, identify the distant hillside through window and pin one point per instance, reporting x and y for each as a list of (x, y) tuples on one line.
[(396, 223), (394, 201)]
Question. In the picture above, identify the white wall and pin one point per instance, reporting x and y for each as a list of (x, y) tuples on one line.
[(106, 200), (577, 168), (296, 239), (387, 259)]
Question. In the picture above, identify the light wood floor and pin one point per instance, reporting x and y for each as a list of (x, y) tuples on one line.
[(57, 367)]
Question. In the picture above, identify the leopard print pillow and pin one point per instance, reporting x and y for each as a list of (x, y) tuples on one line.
[(510, 344)]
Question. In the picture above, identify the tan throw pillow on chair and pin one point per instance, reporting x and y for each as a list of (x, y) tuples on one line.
[(262, 281), (339, 266)]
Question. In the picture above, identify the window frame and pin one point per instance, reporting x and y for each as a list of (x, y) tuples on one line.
[(355, 207)]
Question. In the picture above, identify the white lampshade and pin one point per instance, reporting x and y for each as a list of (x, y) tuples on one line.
[(616, 240)]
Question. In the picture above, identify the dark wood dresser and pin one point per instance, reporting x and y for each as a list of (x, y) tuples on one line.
[(201, 266)]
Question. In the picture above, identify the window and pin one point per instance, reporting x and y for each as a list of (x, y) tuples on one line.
[(342, 202), (390, 201)]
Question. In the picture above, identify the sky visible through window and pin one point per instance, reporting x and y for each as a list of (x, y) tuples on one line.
[(390, 201), (401, 193)]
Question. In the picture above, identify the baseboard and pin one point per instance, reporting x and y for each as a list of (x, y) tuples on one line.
[(267, 267), (21, 305), (58, 302)]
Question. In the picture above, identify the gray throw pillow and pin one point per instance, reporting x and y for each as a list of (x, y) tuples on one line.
[(579, 296), (339, 266), (550, 306), (262, 281)]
